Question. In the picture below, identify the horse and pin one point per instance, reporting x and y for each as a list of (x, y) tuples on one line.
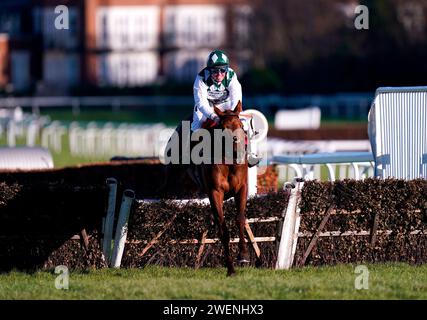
[(224, 178)]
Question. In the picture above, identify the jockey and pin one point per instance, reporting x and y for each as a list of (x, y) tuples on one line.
[(217, 85)]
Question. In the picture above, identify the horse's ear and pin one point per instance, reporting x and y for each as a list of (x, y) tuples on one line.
[(238, 108), (218, 111)]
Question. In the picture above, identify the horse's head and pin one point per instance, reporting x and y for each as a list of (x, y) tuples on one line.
[(232, 126), (230, 119)]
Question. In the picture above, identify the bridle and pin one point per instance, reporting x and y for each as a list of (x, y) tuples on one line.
[(218, 126)]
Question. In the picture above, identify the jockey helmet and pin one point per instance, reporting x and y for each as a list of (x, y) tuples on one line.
[(217, 58)]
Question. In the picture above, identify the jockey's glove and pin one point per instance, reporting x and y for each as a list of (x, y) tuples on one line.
[(214, 117)]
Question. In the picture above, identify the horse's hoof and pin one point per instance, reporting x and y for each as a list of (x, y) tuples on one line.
[(243, 261), (231, 273), (243, 258)]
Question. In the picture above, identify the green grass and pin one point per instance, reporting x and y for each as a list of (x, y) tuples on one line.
[(63, 158), (343, 123), (386, 281), (146, 115), (169, 116)]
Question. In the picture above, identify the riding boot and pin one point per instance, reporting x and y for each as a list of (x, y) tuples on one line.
[(253, 160), (192, 169)]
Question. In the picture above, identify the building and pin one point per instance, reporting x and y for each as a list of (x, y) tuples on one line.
[(16, 41), (117, 43), (133, 43), (62, 54)]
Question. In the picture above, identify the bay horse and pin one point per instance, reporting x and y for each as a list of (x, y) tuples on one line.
[(221, 179), (224, 179)]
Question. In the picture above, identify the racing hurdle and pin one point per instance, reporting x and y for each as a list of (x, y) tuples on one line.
[(114, 258), (113, 253), (121, 231), (302, 230), (287, 230)]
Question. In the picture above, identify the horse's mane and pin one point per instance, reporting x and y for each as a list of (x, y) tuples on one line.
[(229, 113)]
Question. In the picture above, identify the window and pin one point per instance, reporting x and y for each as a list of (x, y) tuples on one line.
[(128, 27), (128, 69), (194, 25)]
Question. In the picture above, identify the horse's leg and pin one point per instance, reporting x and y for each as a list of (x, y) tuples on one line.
[(216, 199), (240, 201)]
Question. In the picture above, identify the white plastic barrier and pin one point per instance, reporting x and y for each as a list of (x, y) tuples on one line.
[(32, 132), (106, 140), (276, 146), (16, 124), (122, 228), (256, 124), (25, 158), (398, 132), (109, 220), (290, 227), (361, 163), (308, 118), (51, 136)]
